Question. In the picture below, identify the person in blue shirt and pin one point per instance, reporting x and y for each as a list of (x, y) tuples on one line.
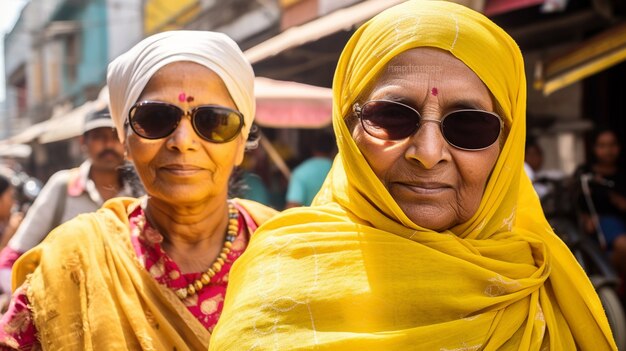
[(306, 179)]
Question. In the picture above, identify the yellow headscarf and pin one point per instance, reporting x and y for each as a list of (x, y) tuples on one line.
[(354, 273)]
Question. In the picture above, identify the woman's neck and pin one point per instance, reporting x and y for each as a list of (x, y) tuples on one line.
[(193, 235)]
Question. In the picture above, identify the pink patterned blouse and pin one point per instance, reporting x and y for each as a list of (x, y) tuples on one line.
[(18, 332)]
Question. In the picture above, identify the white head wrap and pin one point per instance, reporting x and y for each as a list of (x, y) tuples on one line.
[(129, 73)]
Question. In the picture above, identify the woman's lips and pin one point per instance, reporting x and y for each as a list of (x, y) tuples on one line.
[(182, 170), (425, 188)]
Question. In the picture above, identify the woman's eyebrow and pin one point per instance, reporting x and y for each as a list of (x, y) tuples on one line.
[(406, 100), (391, 95), (402, 99), (468, 104)]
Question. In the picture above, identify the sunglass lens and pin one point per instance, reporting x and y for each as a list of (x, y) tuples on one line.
[(217, 124), (154, 121), (388, 120), (471, 130)]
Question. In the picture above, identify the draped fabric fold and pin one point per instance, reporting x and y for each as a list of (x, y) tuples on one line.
[(88, 290), (352, 272)]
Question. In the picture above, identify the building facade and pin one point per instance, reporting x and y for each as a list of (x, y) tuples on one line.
[(56, 58)]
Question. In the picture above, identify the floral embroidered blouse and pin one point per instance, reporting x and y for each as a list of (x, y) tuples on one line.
[(18, 332)]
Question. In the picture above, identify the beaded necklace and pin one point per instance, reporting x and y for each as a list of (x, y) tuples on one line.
[(204, 280)]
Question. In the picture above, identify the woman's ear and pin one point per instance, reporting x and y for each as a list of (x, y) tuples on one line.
[(241, 148)]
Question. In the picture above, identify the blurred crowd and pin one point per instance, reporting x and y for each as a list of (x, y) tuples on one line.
[(593, 197)]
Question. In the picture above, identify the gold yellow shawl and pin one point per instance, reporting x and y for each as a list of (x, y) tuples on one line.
[(88, 290), (354, 273)]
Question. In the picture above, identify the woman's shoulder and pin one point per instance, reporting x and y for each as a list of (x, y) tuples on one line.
[(85, 235), (268, 219), (86, 228), (311, 217), (74, 230), (74, 236)]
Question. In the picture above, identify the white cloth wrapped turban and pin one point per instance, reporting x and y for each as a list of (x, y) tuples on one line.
[(130, 72)]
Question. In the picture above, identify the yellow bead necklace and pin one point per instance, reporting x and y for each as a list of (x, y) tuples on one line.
[(204, 280), (216, 267)]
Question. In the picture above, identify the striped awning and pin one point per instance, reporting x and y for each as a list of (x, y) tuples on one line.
[(590, 57)]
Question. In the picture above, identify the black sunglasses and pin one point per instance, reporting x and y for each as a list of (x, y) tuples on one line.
[(156, 120), (465, 129)]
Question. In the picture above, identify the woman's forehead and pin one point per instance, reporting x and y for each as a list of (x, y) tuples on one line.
[(181, 70), (188, 78), (428, 70), (429, 63)]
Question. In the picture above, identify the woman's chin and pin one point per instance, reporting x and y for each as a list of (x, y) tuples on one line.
[(185, 195), (430, 217)]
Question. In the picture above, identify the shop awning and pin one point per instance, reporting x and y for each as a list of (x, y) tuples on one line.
[(336, 21), (282, 104), (67, 126), (15, 150), (70, 125), (592, 56), (29, 134), (33, 132)]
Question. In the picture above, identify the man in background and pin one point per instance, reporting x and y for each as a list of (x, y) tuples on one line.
[(533, 162)]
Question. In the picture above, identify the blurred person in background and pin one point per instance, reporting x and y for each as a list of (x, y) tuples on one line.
[(308, 177), (10, 219), (533, 158), (551, 185), (605, 204), (533, 162), (74, 191), (253, 186), (151, 273)]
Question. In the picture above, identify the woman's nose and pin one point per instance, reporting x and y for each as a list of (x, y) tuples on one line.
[(184, 138), (427, 144)]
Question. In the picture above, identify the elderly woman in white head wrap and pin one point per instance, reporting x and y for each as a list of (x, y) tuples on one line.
[(151, 273)]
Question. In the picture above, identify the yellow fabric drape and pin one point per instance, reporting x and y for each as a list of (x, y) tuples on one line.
[(88, 290), (354, 273)]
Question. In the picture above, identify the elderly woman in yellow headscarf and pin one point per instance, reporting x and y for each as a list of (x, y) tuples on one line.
[(427, 235)]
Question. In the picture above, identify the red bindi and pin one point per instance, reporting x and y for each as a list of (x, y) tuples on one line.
[(182, 97), (434, 91), (189, 98)]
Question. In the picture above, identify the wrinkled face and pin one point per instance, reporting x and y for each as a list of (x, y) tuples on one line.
[(437, 185), (104, 149), (607, 148), (182, 167)]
